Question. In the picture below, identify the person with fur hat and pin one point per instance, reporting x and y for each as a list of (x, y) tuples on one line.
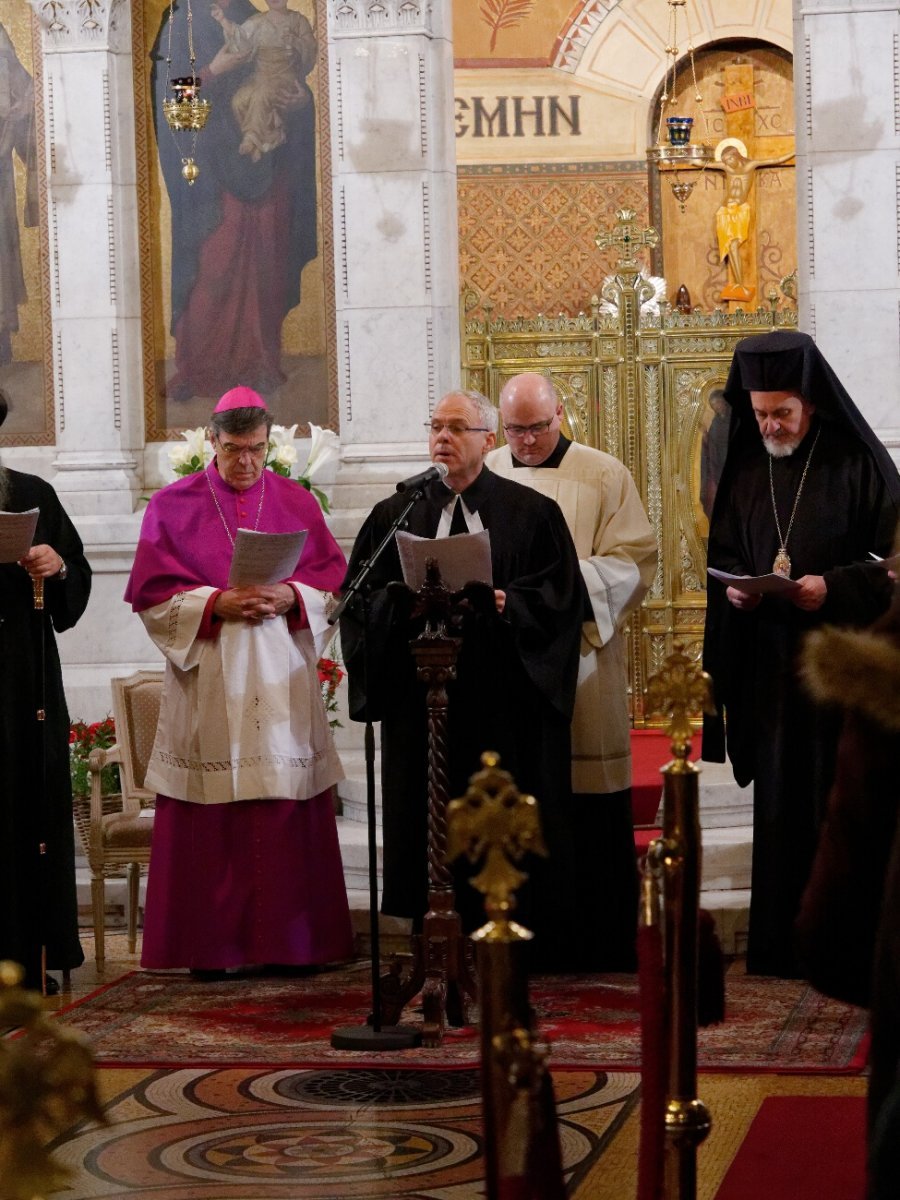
[(848, 929), (245, 866), (807, 491), (38, 902)]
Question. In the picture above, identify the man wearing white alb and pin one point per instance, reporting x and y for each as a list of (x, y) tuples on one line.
[(617, 553)]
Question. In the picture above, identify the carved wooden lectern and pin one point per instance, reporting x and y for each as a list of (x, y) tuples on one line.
[(441, 966)]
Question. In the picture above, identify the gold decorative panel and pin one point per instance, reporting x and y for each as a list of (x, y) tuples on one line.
[(526, 236)]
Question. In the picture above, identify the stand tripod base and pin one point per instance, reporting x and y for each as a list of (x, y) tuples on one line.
[(364, 1037)]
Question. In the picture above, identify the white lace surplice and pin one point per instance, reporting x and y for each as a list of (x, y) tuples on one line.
[(242, 716)]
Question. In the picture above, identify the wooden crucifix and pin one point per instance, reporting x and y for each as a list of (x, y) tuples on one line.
[(739, 156)]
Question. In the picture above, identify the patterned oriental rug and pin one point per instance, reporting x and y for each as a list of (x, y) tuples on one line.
[(591, 1022)]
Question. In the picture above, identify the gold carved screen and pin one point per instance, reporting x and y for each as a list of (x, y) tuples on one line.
[(640, 383)]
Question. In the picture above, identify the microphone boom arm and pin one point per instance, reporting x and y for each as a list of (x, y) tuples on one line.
[(367, 564)]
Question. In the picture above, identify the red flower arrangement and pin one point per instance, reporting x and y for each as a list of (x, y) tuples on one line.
[(83, 738), (330, 675)]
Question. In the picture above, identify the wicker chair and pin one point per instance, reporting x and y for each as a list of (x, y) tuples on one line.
[(122, 838)]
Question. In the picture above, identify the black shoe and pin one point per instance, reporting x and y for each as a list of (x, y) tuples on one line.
[(204, 976), (292, 970), (32, 984)]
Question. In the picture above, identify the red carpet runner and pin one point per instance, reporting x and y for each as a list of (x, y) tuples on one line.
[(801, 1148), (651, 749)]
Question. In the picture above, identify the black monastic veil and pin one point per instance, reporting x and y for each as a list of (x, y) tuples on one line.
[(775, 735)]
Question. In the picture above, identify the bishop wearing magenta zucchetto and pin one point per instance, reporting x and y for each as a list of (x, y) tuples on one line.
[(245, 866)]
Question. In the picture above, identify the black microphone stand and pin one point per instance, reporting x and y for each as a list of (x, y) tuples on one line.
[(373, 1035)]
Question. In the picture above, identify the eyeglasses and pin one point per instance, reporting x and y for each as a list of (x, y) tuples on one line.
[(517, 431), (231, 451), (457, 428)]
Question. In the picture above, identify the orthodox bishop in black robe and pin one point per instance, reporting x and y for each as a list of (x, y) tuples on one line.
[(514, 693), (38, 905), (835, 499)]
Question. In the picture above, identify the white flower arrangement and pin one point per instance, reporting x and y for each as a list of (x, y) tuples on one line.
[(192, 457), (324, 449), (281, 455)]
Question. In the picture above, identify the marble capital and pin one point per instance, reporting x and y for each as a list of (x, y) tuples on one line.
[(393, 17), (68, 25)]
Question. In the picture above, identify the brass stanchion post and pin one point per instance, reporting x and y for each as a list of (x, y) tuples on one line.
[(498, 824), (679, 690)]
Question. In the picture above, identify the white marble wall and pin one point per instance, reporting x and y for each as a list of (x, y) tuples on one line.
[(97, 464), (395, 223), (847, 88), (93, 235)]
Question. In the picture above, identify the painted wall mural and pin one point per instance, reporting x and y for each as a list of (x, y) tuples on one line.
[(25, 376), (237, 263), (500, 15)]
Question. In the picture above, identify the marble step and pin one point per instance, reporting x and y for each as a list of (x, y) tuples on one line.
[(725, 869), (726, 826), (352, 790), (731, 911)]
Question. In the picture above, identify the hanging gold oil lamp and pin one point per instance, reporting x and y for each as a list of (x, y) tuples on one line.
[(677, 149), (184, 110)]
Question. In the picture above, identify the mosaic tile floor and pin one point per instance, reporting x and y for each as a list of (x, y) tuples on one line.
[(257, 1133), (261, 1134)]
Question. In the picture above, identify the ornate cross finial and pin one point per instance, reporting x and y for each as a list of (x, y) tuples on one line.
[(497, 822), (680, 690), (627, 238)]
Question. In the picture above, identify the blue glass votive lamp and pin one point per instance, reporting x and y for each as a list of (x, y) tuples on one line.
[(679, 129)]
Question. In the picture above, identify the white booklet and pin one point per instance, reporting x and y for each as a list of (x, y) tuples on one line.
[(264, 558), (465, 558), (755, 585), (17, 534)]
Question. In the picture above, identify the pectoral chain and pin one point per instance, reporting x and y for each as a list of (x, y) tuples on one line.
[(262, 496), (782, 563)]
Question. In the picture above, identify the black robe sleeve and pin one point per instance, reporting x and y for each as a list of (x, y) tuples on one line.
[(545, 606)]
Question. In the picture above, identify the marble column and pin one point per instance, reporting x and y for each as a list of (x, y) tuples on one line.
[(395, 223), (88, 101), (847, 97), (90, 171), (396, 274)]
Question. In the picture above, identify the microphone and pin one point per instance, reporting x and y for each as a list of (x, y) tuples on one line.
[(437, 470)]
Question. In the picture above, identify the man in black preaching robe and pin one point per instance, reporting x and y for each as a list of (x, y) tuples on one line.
[(516, 674), (38, 904), (808, 491)]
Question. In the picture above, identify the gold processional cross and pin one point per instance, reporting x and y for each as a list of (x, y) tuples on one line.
[(627, 237)]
